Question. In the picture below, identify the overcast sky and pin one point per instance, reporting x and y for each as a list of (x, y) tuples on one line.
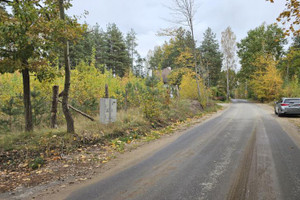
[(147, 17)]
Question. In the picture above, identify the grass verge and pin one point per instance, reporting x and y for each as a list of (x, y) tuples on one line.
[(19, 151)]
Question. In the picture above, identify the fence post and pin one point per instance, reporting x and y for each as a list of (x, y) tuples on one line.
[(55, 90), (126, 96), (106, 91)]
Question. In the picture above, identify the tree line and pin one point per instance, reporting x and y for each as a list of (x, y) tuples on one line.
[(40, 42), (111, 50), (268, 70)]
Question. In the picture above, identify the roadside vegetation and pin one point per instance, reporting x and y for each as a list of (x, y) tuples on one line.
[(145, 112)]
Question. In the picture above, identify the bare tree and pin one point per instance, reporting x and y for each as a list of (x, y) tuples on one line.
[(228, 42), (184, 12)]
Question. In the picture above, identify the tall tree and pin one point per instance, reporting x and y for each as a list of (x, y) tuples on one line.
[(184, 11), (154, 58), (261, 40), (17, 48), (139, 66), (116, 56), (175, 51), (289, 65), (82, 50), (131, 44), (211, 56), (29, 39), (228, 42), (99, 45), (222, 83), (266, 81)]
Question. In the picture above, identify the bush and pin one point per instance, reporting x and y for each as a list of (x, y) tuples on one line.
[(36, 163), (292, 88)]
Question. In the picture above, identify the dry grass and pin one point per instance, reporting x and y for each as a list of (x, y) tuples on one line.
[(130, 125), (126, 121)]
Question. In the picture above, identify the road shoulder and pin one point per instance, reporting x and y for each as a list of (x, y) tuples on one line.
[(290, 124)]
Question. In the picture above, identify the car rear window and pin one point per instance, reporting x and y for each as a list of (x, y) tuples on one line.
[(292, 101)]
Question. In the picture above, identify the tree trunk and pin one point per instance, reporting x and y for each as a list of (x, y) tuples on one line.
[(54, 106), (227, 77), (27, 101), (65, 94), (287, 72), (177, 92), (246, 90), (195, 60), (125, 101)]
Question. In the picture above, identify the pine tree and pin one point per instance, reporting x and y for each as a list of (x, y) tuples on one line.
[(116, 56), (211, 57), (82, 49), (131, 45), (99, 45)]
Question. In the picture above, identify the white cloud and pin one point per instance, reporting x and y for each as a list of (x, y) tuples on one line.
[(146, 17)]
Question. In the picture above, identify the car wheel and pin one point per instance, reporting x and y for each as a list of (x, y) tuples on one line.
[(276, 112)]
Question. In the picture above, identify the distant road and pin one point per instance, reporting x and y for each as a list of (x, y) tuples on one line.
[(241, 154)]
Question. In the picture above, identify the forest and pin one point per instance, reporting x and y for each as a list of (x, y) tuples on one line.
[(42, 47)]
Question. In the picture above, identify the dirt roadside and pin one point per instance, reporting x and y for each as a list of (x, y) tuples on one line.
[(69, 178)]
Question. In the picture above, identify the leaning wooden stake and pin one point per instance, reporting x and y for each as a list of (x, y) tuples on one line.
[(80, 112), (54, 106)]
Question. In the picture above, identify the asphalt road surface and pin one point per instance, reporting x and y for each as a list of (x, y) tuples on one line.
[(241, 154)]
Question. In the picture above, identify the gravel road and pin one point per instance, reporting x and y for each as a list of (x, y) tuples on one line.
[(244, 153)]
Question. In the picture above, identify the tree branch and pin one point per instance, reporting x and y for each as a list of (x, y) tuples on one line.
[(5, 1)]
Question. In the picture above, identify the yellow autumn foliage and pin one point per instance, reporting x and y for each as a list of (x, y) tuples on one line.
[(189, 90), (87, 87), (266, 83), (185, 59)]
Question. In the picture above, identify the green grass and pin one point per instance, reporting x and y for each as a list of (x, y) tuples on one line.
[(34, 141)]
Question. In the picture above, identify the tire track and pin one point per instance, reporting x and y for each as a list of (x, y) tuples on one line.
[(238, 189)]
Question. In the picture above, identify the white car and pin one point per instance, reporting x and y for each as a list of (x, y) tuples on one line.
[(287, 106)]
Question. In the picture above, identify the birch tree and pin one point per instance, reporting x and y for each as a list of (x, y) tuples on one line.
[(228, 42)]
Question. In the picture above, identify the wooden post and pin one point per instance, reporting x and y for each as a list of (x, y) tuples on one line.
[(125, 102), (106, 91), (55, 90), (168, 98)]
